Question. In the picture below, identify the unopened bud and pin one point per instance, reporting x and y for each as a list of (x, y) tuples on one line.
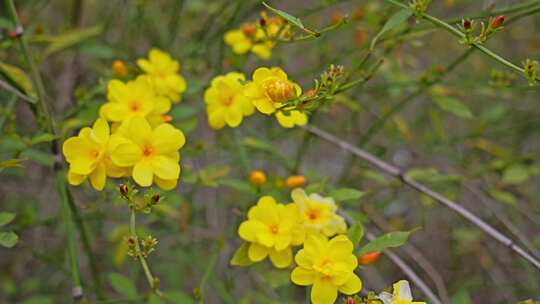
[(295, 181), (349, 300), (249, 29), (497, 22), (166, 118), (257, 177), (369, 258), (119, 68), (124, 190), (467, 24), (155, 199), (262, 21)]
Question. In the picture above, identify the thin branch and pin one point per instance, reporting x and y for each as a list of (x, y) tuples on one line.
[(396, 172), (16, 92)]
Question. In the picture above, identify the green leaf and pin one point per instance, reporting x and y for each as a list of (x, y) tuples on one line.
[(392, 239), (41, 138), (17, 78), (356, 233), (6, 218), (11, 163), (8, 239), (461, 297), (454, 106), (122, 285), (346, 194), (431, 175), (71, 38), (516, 174), (290, 18), (503, 197), (394, 21), (240, 257)]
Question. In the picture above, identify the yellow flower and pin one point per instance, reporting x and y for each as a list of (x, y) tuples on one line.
[(152, 153), (318, 214), (88, 155), (329, 266), (270, 88), (271, 229), (401, 295), (249, 38), (162, 72), (133, 99), (295, 118), (226, 102)]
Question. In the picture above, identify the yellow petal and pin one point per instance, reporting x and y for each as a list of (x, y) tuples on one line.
[(281, 259), (352, 286), (233, 118), (98, 177), (165, 184), (262, 50), (126, 155), (142, 173), (248, 230), (76, 147), (303, 277), (139, 129), (167, 139), (216, 119), (257, 252), (261, 74), (323, 292), (75, 179), (101, 130), (340, 247), (113, 111), (303, 260), (165, 167), (282, 241), (264, 105)]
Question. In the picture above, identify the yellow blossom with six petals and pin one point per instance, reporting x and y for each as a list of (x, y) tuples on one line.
[(318, 214), (153, 153), (329, 266), (226, 103), (88, 155), (163, 73), (271, 229), (133, 99)]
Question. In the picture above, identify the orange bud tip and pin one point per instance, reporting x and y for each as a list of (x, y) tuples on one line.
[(257, 177), (119, 68), (295, 181), (167, 118), (369, 258)]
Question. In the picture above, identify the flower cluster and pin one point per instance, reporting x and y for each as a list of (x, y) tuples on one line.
[(230, 98), (326, 260), (140, 142), (258, 38)]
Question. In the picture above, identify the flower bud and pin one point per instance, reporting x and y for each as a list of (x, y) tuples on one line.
[(369, 258), (166, 118), (249, 29), (295, 181), (467, 24), (119, 68), (349, 300), (124, 190), (155, 199), (497, 22), (257, 177)]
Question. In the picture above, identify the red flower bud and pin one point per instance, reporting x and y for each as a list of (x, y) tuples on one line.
[(369, 258), (467, 24), (155, 199), (497, 21), (12, 34), (123, 189)]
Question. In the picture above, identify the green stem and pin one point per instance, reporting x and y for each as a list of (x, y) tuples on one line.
[(60, 181), (456, 32), (244, 160), (152, 281), (77, 291)]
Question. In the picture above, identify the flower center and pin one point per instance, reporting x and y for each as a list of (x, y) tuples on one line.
[(148, 151), (325, 267), (134, 106), (94, 153), (312, 214), (279, 90), (274, 229), (228, 101)]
